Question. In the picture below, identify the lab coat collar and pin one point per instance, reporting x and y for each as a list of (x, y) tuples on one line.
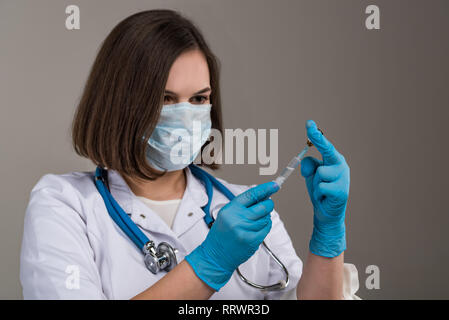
[(189, 211)]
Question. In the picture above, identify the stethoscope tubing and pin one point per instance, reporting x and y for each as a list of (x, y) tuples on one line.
[(118, 215), (140, 239)]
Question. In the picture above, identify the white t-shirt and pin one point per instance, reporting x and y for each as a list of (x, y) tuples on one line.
[(166, 209)]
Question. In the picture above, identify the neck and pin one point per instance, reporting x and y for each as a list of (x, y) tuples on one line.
[(167, 187)]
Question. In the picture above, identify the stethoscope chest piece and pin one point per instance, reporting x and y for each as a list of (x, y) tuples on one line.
[(161, 258)]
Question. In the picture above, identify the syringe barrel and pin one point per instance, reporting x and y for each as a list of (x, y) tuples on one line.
[(294, 163)]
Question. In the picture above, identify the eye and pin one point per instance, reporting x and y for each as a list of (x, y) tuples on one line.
[(168, 98), (199, 99)]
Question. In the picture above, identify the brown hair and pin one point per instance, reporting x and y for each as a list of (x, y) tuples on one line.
[(124, 92)]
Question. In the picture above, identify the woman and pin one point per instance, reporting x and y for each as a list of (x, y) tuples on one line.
[(155, 74)]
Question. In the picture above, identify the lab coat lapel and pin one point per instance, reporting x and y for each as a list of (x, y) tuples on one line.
[(139, 213), (189, 211)]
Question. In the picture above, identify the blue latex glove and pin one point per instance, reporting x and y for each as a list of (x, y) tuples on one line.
[(328, 185), (240, 228)]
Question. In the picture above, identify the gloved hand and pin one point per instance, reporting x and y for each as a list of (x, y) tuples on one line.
[(240, 228), (328, 185)]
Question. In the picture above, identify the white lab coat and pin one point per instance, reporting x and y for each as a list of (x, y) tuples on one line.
[(72, 249)]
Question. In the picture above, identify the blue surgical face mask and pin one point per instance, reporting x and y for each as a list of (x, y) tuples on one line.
[(180, 133)]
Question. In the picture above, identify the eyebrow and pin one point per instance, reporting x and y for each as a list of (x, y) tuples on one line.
[(199, 92)]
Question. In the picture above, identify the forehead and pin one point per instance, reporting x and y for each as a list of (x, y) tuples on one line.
[(189, 73)]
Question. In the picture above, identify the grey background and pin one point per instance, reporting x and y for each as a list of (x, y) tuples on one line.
[(381, 96)]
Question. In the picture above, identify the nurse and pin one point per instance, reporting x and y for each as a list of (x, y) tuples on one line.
[(155, 74)]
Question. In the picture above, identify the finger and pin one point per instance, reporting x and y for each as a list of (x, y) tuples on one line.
[(260, 209), (309, 166), (316, 180), (256, 194), (264, 232), (256, 225), (309, 184), (329, 173), (326, 189), (327, 150)]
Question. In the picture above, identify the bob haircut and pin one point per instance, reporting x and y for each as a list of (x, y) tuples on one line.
[(124, 93)]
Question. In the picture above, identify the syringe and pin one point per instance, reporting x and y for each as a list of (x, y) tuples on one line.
[(293, 164)]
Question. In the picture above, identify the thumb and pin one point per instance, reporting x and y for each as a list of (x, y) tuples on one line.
[(308, 169), (309, 166)]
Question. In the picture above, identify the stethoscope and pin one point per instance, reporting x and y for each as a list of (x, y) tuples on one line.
[(163, 257)]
